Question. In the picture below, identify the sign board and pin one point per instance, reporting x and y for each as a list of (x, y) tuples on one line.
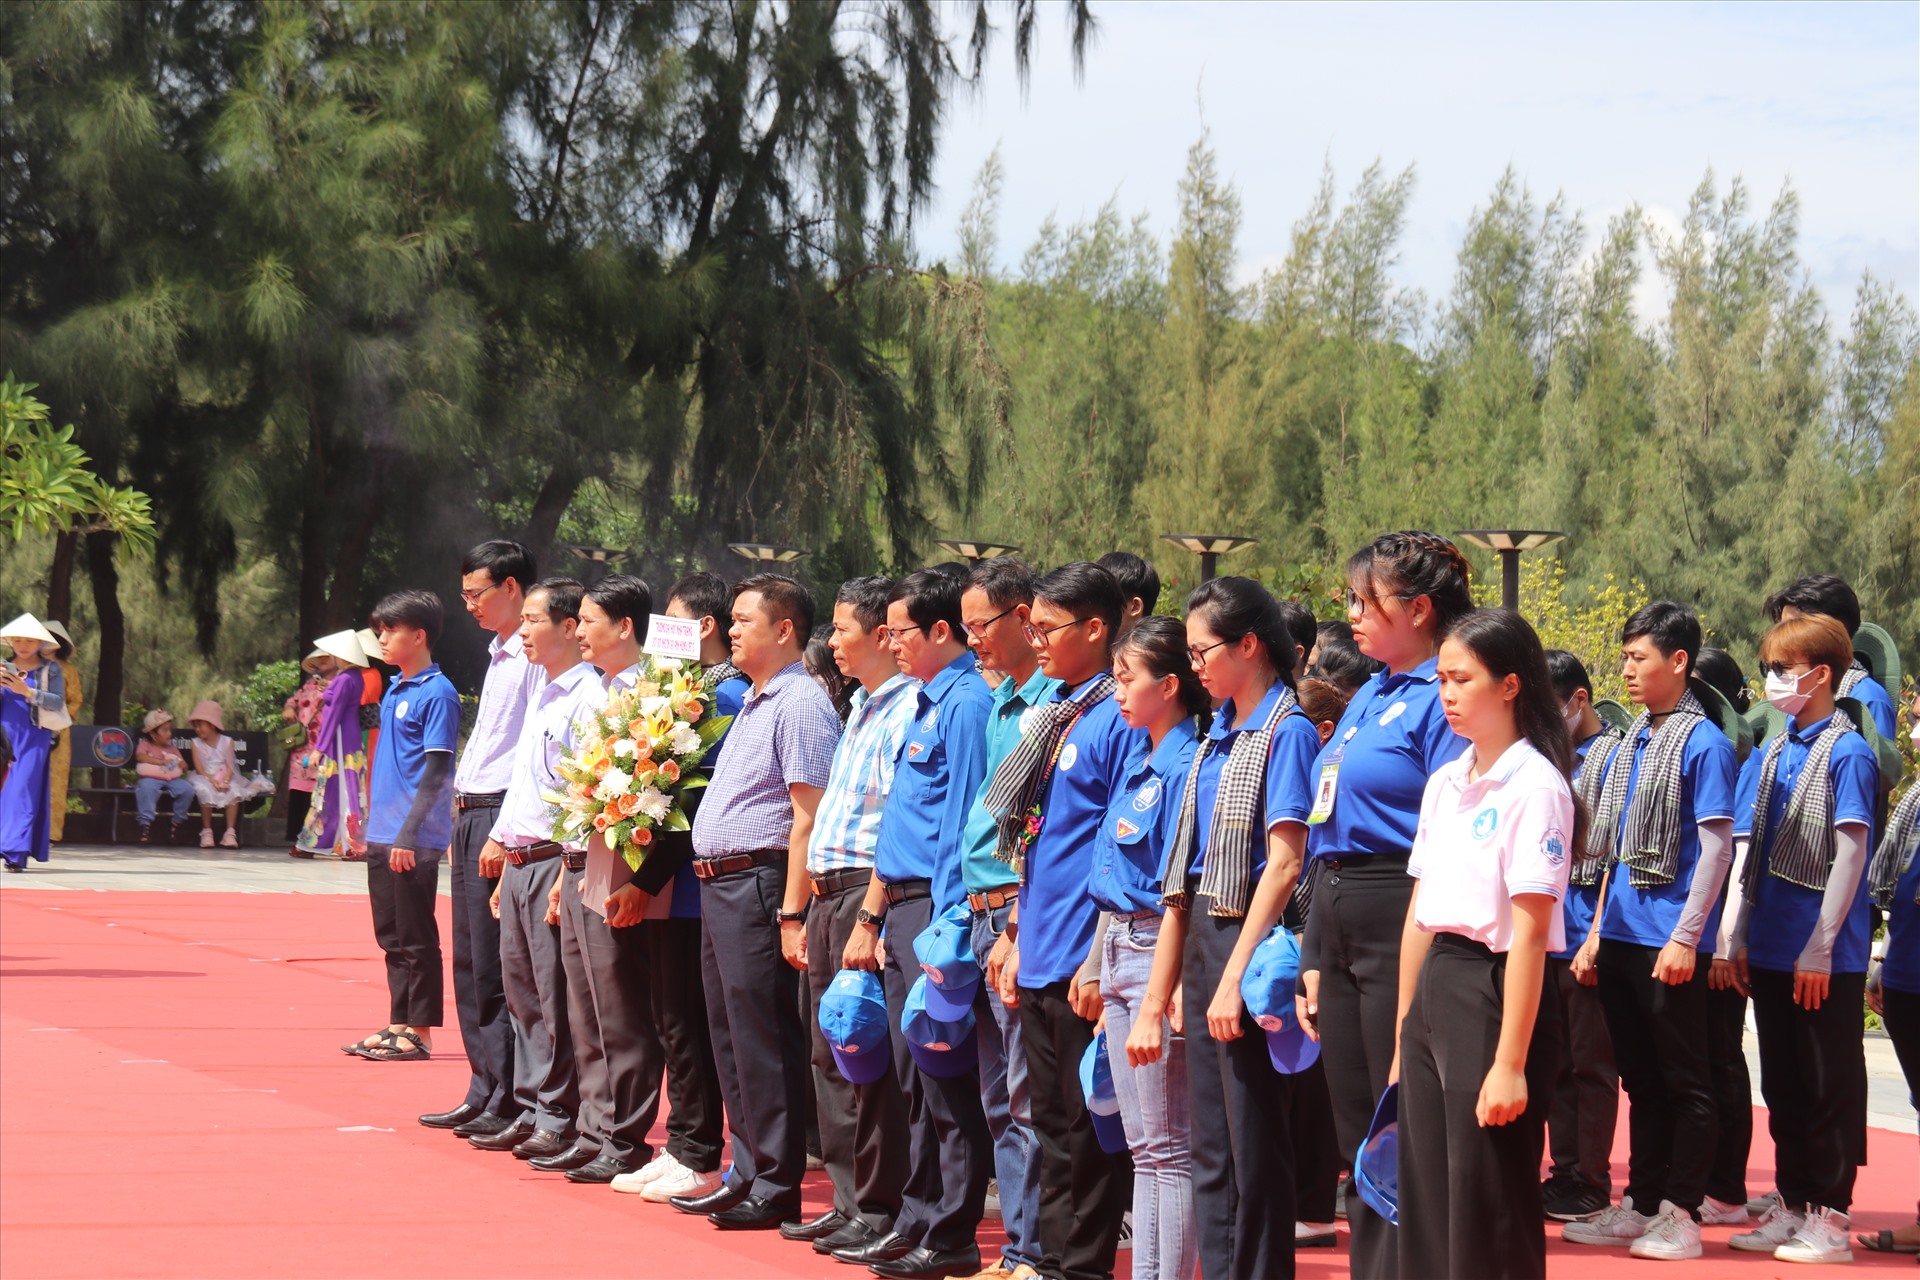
[(673, 637)]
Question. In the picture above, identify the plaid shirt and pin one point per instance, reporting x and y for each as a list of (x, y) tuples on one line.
[(784, 734), (848, 824)]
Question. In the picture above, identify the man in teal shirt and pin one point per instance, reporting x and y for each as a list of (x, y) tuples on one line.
[(994, 608)]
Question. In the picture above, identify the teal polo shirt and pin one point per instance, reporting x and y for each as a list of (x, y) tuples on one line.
[(1006, 718)]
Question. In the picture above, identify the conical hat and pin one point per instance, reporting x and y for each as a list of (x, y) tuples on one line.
[(343, 645), (1873, 646), (28, 627)]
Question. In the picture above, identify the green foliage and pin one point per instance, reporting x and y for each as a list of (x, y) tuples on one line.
[(45, 482), (1586, 622), (265, 694)]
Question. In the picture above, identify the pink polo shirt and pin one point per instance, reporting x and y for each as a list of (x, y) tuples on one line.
[(1480, 843)]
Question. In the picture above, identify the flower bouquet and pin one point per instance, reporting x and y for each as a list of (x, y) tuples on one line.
[(634, 761)]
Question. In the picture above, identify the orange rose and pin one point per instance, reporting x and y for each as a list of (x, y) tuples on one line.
[(643, 769), (669, 772), (627, 805), (690, 712), (637, 729), (600, 768), (601, 822), (642, 837)]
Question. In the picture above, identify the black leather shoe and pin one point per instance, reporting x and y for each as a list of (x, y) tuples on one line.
[(879, 1249), (713, 1202), (451, 1119), (816, 1228), (930, 1262), (601, 1169), (754, 1214), (851, 1236), (581, 1152), (544, 1142), (481, 1125), (505, 1140)]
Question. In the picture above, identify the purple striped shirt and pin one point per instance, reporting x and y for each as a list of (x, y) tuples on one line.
[(486, 765), (783, 734)]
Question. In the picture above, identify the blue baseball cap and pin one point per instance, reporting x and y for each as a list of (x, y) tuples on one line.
[(945, 951), (853, 1020), (1376, 1171), (943, 1047), (1267, 988), (1096, 1083)]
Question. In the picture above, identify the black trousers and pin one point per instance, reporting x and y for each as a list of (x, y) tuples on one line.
[(695, 1114), (479, 994), (1901, 1016), (1084, 1192), (616, 1054), (1585, 1095), (1660, 1043), (298, 803), (1241, 1144), (863, 1127), (405, 928), (1469, 1196), (949, 1152), (759, 1046), (1353, 934), (1732, 1094), (1811, 1066)]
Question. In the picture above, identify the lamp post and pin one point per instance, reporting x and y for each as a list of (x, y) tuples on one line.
[(766, 552), (976, 549), (1508, 544), (599, 560), (1209, 547)]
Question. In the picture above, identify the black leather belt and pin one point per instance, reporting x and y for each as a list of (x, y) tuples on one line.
[(464, 800), (839, 881), (1355, 861), (573, 861), (727, 864), (533, 853), (907, 891), (994, 899)]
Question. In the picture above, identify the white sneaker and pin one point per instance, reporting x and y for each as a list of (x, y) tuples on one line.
[(1778, 1225), (1822, 1238), (1718, 1213), (1672, 1236), (1616, 1225), (679, 1181), (637, 1180), (1760, 1204)]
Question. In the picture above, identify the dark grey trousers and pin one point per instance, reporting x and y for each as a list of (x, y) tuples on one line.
[(696, 1116), (616, 1054), (1586, 1085), (407, 931), (545, 1092)]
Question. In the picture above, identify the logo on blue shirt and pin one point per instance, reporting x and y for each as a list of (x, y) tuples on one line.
[(1147, 796), (1485, 822), (1554, 846), (914, 749), (400, 712)]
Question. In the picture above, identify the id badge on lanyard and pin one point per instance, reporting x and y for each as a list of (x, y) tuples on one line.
[(1324, 790)]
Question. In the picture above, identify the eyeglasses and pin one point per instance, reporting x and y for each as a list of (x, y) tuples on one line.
[(1357, 603), (1036, 636), (978, 629), (894, 633), (1198, 656), (473, 597)]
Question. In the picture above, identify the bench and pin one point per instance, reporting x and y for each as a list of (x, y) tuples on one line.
[(107, 749)]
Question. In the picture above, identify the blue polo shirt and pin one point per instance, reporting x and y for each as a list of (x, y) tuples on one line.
[(419, 714), (1005, 723), (1647, 916), (727, 697), (1783, 914), (935, 778), (1057, 917), (1140, 822), (1289, 776), (1392, 738), (1901, 968), (1873, 695), (1577, 907)]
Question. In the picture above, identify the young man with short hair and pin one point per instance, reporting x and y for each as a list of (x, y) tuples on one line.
[(1823, 593), (410, 820), (1666, 811), (750, 841), (546, 1095), (1139, 587)]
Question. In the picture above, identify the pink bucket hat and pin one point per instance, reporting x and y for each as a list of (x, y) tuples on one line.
[(208, 710)]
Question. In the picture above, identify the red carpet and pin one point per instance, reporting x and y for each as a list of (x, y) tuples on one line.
[(172, 1103)]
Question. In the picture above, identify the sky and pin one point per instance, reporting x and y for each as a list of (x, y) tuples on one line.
[(1611, 104)]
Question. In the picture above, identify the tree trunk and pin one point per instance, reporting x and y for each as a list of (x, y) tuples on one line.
[(111, 675), (343, 601), (314, 559), (543, 525), (60, 578)]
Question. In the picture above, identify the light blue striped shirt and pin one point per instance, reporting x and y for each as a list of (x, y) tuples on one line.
[(525, 817), (847, 827)]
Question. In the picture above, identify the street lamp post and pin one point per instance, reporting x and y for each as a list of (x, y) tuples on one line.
[(976, 549), (766, 552), (1508, 544), (1209, 547), (599, 560)]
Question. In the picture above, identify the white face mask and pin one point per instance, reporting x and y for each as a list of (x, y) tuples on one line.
[(1783, 691), (1571, 714)]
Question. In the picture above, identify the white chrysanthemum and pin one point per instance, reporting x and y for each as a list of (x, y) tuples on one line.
[(623, 747), (615, 783), (686, 740), (654, 803)]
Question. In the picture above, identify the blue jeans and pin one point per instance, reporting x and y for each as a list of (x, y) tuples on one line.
[(147, 793), (1003, 1082), (1154, 1108)]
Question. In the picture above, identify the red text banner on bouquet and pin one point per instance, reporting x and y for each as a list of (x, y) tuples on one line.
[(634, 761)]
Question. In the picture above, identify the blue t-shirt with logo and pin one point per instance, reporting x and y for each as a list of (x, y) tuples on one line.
[(420, 714), (1647, 915), (1391, 739), (935, 778), (1140, 823), (1782, 915), (1289, 791)]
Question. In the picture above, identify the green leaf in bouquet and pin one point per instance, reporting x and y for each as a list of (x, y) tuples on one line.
[(676, 820)]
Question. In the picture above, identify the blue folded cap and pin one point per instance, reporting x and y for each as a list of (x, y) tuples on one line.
[(853, 1020), (1267, 988), (1376, 1172), (1103, 1105), (943, 1047), (945, 951)]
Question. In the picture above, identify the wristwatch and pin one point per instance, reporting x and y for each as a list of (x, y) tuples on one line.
[(793, 917), (864, 916)]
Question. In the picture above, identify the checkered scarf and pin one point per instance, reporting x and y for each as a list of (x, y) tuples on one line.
[(1897, 847), (1019, 785), (1802, 850), (1856, 672), (719, 673), (1589, 788), (1236, 813), (1650, 844)]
